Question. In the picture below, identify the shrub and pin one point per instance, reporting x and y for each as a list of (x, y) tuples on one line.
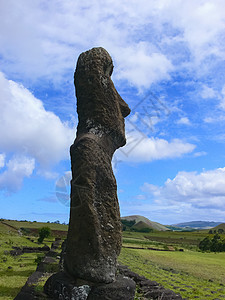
[(44, 232), (39, 259), (215, 244)]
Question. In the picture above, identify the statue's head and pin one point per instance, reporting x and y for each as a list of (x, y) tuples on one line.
[(100, 108)]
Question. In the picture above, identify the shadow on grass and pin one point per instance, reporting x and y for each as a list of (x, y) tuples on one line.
[(9, 273), (9, 291)]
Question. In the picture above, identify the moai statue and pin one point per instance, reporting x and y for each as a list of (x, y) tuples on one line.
[(94, 236)]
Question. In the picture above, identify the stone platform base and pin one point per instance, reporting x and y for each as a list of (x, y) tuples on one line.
[(61, 286)]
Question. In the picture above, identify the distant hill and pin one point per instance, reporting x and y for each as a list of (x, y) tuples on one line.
[(143, 222), (220, 226), (197, 224)]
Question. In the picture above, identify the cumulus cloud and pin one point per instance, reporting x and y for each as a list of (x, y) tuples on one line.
[(29, 131), (2, 160), (201, 153), (184, 121), (222, 99), (199, 190), (218, 119), (27, 128), (140, 148), (168, 213), (42, 40), (141, 67), (17, 168), (188, 196), (208, 92)]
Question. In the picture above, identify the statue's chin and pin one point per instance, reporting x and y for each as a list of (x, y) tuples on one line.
[(120, 141)]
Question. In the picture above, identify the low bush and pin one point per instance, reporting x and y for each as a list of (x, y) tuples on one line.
[(215, 244)]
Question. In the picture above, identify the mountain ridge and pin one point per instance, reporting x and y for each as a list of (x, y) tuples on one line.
[(198, 224)]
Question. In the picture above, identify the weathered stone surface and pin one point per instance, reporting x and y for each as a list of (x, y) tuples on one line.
[(48, 264), (122, 288), (62, 286), (94, 236)]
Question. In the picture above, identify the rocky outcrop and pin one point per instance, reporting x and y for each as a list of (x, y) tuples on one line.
[(94, 236), (147, 288)]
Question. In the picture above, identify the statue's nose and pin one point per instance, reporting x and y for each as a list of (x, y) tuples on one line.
[(125, 110)]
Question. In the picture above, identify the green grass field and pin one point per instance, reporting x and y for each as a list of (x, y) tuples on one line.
[(187, 273), (190, 273), (14, 271)]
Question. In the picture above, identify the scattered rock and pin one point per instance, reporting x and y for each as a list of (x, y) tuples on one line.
[(56, 244), (28, 291), (150, 289), (122, 288), (52, 253), (49, 265), (19, 251)]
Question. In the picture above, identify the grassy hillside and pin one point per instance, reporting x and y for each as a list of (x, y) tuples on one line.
[(142, 222), (14, 270), (190, 272), (221, 226), (178, 272), (37, 225)]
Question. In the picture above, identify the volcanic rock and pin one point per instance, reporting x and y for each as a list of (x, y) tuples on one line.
[(94, 235)]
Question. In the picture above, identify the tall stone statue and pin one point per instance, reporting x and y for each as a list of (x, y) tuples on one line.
[(94, 236)]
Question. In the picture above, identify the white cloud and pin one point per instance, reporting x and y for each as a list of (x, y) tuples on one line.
[(43, 40), (140, 148), (17, 168), (204, 190), (2, 160), (167, 213), (208, 92), (201, 153), (48, 174), (222, 99), (27, 128), (188, 196), (218, 118), (141, 67), (184, 121), (201, 25)]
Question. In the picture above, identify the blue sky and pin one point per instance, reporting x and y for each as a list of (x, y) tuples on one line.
[(169, 67)]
